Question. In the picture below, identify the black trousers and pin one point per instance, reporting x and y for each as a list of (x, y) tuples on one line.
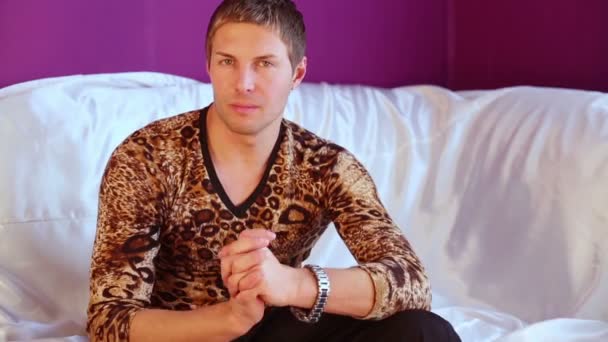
[(279, 325)]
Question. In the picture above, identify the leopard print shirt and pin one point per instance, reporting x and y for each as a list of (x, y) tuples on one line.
[(164, 216)]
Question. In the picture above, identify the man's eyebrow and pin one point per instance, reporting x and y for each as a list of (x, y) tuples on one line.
[(224, 54), (267, 56)]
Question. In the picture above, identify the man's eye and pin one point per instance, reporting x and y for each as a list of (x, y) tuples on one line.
[(265, 64), (226, 61)]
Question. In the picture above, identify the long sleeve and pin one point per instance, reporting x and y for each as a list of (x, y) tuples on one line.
[(126, 242), (378, 245)]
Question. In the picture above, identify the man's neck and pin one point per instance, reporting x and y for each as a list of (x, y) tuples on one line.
[(229, 148)]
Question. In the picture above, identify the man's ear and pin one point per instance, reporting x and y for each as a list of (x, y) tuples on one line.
[(299, 73)]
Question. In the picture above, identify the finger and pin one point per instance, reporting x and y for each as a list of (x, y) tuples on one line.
[(225, 267), (246, 261), (250, 280), (243, 245), (244, 281), (240, 263), (258, 233), (233, 283)]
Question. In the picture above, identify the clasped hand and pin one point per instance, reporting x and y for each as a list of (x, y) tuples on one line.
[(247, 265)]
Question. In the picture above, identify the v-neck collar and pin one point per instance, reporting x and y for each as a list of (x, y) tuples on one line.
[(240, 210)]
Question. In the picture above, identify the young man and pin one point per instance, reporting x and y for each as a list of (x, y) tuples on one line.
[(205, 217)]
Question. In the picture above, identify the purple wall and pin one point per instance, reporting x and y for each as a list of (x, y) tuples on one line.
[(561, 43), (461, 44), (383, 43)]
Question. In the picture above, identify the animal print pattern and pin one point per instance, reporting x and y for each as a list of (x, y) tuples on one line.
[(163, 217)]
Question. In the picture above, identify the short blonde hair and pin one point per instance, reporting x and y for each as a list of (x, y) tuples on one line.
[(280, 15)]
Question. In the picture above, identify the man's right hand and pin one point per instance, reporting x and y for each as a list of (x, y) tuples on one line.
[(246, 309)]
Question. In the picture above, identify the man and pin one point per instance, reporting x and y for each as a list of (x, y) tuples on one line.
[(205, 217)]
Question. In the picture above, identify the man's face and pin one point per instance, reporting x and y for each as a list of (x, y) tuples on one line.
[(251, 76)]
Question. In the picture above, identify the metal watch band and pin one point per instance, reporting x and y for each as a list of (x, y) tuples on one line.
[(313, 315)]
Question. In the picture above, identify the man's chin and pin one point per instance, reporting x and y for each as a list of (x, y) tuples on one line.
[(246, 131), (245, 128)]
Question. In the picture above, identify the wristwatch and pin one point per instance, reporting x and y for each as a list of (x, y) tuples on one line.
[(314, 314)]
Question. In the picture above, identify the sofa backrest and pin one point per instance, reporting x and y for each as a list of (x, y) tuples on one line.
[(502, 193)]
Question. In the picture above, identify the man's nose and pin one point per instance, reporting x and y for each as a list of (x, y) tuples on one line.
[(246, 80)]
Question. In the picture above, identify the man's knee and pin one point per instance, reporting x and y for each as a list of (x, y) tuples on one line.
[(416, 325)]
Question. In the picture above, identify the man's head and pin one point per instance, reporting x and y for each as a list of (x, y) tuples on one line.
[(281, 16), (255, 57)]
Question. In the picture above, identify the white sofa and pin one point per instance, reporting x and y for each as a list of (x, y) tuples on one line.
[(502, 193)]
